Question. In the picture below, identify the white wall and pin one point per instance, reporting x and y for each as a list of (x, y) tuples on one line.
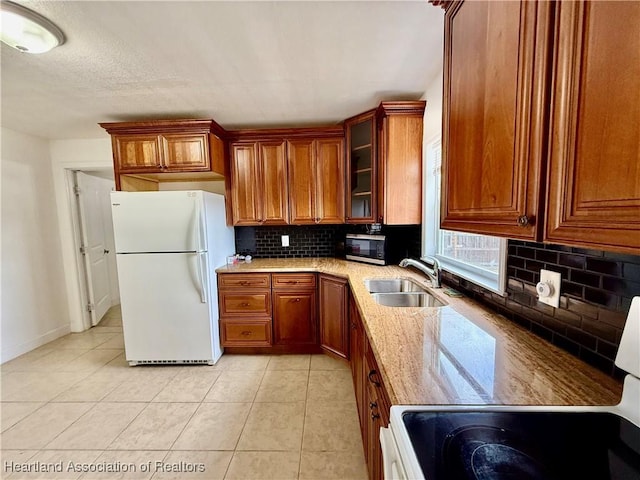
[(34, 307), (68, 155), (433, 112)]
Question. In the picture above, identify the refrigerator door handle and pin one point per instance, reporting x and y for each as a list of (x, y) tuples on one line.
[(201, 278)]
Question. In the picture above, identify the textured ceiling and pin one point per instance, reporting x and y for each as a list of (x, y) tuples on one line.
[(245, 64)]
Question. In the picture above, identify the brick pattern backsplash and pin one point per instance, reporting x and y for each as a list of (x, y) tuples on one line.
[(304, 241), (317, 240), (596, 293)]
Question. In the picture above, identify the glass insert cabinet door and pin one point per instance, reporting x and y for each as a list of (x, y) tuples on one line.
[(361, 195)]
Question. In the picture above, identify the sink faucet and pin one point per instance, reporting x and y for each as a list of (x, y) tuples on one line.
[(433, 273)]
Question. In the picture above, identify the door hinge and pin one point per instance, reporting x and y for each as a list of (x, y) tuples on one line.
[(83, 250), (90, 307), (76, 190)]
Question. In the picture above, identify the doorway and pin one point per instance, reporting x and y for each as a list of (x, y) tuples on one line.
[(95, 242)]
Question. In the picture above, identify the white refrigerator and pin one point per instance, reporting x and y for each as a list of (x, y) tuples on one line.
[(168, 245)]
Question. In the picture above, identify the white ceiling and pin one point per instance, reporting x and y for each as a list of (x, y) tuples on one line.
[(244, 64)]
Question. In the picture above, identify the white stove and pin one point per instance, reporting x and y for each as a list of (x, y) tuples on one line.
[(496, 442)]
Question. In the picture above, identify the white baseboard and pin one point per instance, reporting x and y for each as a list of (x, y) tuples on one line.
[(15, 351)]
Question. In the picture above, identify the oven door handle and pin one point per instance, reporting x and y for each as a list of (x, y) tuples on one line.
[(391, 463)]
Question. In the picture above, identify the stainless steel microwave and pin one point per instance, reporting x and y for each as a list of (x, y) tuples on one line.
[(367, 248)]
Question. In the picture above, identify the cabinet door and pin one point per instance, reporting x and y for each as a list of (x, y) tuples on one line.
[(334, 331), (137, 153), (245, 185), (275, 196), (400, 163), (294, 317), (356, 353), (330, 180), (594, 170), (496, 56), (361, 168), (302, 181), (186, 152)]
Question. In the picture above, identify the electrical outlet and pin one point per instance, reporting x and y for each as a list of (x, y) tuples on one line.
[(285, 240), (549, 288)]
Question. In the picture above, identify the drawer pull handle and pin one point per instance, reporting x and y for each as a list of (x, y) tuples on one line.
[(295, 282), (246, 333), (244, 304), (370, 376)]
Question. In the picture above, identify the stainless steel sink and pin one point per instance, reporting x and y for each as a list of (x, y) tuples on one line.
[(414, 299), (392, 285)]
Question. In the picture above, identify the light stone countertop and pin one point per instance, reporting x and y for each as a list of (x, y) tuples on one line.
[(462, 353)]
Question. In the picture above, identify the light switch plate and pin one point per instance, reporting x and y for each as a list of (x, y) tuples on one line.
[(553, 279), (285, 240)]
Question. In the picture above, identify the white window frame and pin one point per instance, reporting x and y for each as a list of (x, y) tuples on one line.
[(496, 283)]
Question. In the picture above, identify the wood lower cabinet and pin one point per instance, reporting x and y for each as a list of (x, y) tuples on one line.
[(245, 309), (334, 315), (372, 399), (356, 356), (295, 309), (377, 408), (594, 161)]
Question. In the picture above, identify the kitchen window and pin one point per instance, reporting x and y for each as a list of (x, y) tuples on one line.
[(480, 259)]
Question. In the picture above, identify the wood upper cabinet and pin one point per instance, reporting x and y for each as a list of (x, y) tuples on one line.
[(167, 147), (294, 309), (135, 153), (496, 57), (259, 186), (594, 161), (316, 180), (334, 315), (399, 175), (361, 169), (185, 152)]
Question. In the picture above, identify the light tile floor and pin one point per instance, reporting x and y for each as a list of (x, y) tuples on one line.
[(75, 404)]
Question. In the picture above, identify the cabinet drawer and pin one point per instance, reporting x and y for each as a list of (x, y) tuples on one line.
[(238, 334), (249, 280), (245, 303), (288, 280)]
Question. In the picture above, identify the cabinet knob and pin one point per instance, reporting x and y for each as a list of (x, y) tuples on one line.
[(373, 405), (296, 300), (523, 221), (374, 416), (371, 379)]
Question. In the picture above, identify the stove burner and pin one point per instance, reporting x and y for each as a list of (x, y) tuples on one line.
[(482, 452), (493, 461)]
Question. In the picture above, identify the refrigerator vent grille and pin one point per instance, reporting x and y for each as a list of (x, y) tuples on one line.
[(169, 362)]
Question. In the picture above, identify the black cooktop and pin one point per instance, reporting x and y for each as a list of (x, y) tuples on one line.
[(524, 445)]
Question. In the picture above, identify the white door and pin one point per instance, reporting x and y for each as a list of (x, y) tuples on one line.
[(165, 307), (91, 198)]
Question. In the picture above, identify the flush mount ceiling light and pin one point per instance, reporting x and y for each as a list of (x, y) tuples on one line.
[(28, 31)]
